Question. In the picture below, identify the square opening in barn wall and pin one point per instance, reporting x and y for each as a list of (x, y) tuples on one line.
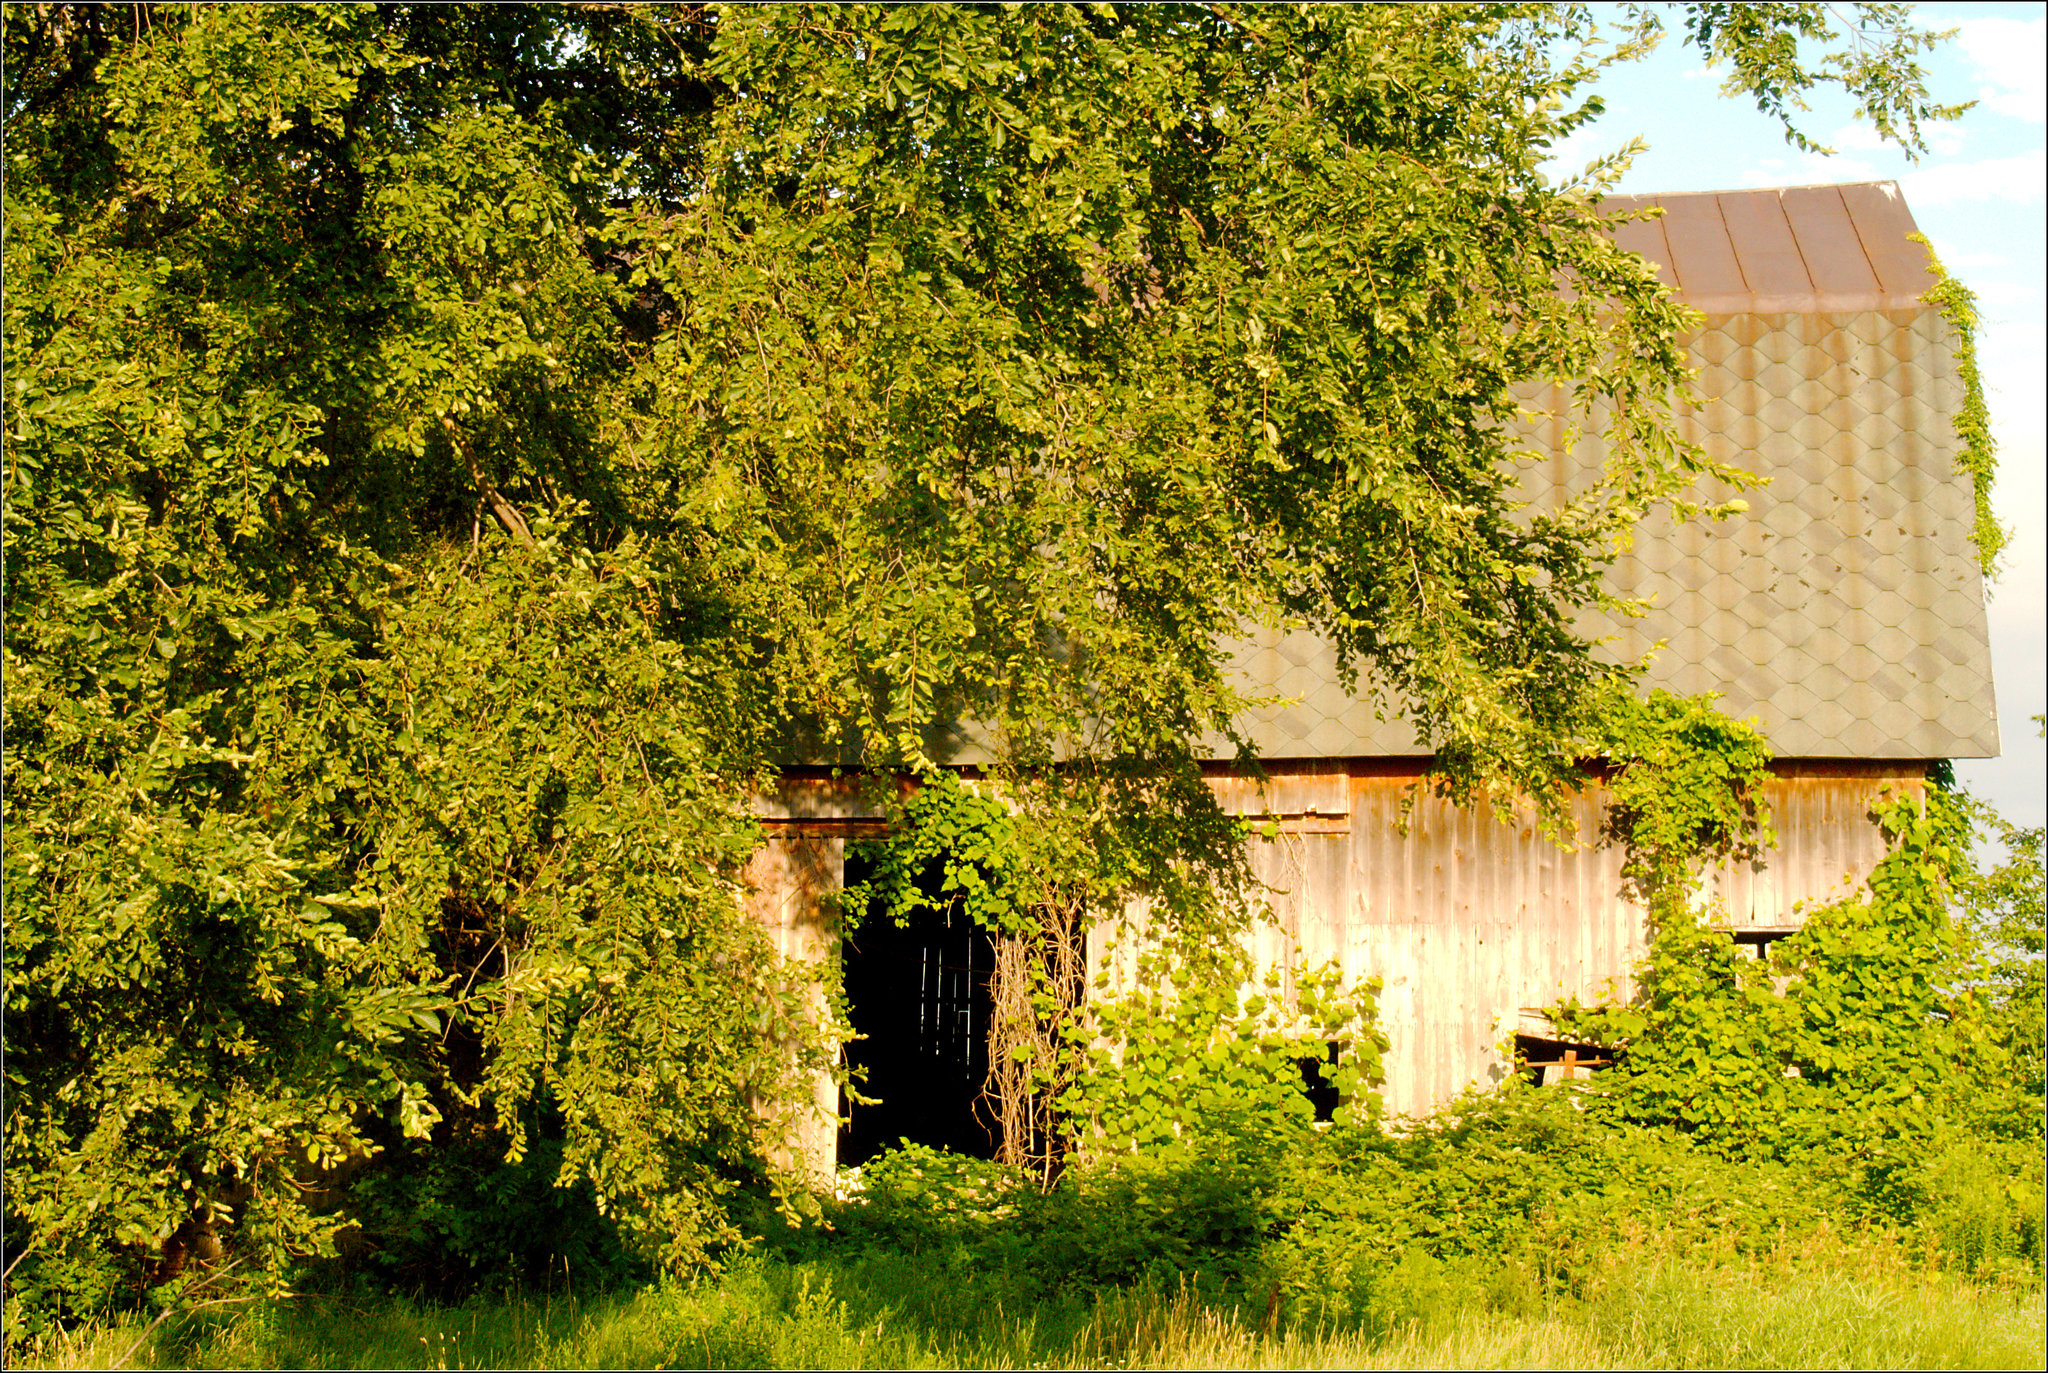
[(1546, 1060), (920, 998), (1318, 1084)]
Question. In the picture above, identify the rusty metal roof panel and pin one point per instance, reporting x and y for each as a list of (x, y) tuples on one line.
[(1884, 228), (1835, 263), (1773, 269), (1796, 248), (1703, 256)]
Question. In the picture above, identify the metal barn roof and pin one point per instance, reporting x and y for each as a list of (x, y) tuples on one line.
[(1799, 249), (1845, 611)]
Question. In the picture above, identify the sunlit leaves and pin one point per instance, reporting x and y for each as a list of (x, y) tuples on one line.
[(848, 385)]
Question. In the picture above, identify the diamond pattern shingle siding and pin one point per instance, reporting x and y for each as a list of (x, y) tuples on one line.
[(1854, 584), (1845, 610)]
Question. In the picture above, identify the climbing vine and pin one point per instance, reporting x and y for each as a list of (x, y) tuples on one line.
[(1894, 1037), (1180, 1034), (1685, 782), (1979, 452), (957, 846)]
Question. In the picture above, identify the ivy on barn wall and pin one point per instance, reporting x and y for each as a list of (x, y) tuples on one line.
[(1180, 1034), (1978, 455), (1893, 1041)]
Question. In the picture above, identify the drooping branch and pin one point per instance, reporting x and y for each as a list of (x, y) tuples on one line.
[(502, 510)]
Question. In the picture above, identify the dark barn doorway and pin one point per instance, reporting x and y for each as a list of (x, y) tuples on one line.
[(920, 995)]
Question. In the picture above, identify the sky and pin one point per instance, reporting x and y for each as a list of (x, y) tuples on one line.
[(1977, 195)]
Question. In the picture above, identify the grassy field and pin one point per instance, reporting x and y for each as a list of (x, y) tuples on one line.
[(884, 1312)]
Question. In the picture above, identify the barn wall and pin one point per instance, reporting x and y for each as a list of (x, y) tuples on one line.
[(1471, 923), (787, 884)]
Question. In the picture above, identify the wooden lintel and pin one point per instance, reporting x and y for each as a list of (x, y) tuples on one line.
[(1307, 824), (827, 826)]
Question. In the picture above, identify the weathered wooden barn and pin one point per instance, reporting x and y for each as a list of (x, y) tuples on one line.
[(1845, 612)]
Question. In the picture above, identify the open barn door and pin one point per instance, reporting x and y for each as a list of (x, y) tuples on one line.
[(920, 997)]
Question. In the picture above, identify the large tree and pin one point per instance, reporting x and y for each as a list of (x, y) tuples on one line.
[(455, 452)]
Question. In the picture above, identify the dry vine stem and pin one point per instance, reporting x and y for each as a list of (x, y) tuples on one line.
[(1031, 1064)]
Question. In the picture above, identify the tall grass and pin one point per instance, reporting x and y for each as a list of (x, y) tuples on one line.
[(1851, 1309)]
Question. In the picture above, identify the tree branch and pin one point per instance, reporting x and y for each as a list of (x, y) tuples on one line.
[(502, 510)]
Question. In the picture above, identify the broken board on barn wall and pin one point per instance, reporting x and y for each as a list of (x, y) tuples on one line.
[(1844, 613)]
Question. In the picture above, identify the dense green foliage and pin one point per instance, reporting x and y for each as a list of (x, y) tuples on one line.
[(1891, 1048), (1194, 1047), (1528, 1214), (453, 452), (339, 830), (1531, 1190)]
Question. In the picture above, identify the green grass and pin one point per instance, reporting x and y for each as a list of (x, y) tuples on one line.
[(892, 1312)]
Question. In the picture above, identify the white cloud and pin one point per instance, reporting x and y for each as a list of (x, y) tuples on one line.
[(1808, 169), (2009, 295), (1698, 74), (2017, 610), (1975, 261), (2013, 357), (1943, 140), (2010, 57), (2018, 179), (1859, 137)]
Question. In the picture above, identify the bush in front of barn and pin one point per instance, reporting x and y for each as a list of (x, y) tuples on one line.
[(1911, 1127)]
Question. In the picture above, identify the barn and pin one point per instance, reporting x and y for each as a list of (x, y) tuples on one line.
[(1844, 612)]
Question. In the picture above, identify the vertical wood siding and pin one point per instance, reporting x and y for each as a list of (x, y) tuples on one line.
[(1470, 921), (788, 884)]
